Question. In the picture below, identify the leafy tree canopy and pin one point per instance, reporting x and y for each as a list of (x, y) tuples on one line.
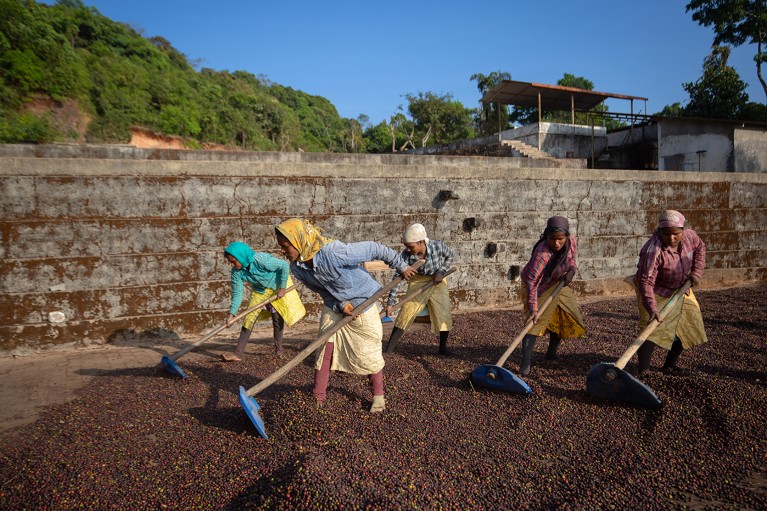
[(439, 119), (489, 116), (719, 93), (735, 22), (673, 110)]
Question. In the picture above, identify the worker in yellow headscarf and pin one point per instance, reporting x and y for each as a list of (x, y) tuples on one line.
[(333, 269)]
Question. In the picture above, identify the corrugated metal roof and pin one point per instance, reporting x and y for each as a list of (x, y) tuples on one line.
[(553, 97)]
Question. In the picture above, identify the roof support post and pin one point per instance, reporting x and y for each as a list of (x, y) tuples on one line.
[(498, 107), (572, 109), (539, 119), (604, 117)]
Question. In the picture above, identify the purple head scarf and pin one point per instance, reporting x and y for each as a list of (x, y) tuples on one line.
[(558, 223)]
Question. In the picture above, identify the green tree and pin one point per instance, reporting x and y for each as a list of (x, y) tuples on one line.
[(486, 118), (353, 138), (735, 22), (719, 93), (378, 139), (754, 112), (673, 110), (438, 119)]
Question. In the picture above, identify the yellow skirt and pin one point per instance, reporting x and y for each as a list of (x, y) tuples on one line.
[(437, 298), (357, 345), (562, 316), (684, 321), (289, 306)]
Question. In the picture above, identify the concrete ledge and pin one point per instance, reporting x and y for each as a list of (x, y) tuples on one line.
[(421, 167)]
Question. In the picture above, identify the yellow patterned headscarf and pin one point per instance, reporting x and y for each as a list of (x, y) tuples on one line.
[(305, 237)]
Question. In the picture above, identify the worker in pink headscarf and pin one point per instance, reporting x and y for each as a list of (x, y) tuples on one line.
[(670, 257)]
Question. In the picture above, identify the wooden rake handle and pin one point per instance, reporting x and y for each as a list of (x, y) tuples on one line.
[(412, 295), (279, 373), (216, 330), (651, 326), (529, 325)]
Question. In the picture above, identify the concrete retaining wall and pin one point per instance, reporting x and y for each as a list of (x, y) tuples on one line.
[(750, 148), (131, 242)]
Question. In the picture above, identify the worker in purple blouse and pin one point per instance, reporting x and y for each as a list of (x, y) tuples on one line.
[(552, 259), (671, 256)]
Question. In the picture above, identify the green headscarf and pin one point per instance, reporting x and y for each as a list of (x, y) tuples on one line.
[(242, 252)]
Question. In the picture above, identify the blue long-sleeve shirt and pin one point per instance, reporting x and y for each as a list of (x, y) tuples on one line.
[(337, 275), (265, 272)]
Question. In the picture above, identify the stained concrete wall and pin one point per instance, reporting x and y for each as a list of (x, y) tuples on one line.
[(750, 150), (562, 140), (705, 146), (130, 241)]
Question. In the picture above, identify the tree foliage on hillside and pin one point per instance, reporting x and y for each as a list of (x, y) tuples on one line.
[(434, 119), (121, 80)]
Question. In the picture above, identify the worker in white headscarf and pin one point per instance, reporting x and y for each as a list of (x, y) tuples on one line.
[(439, 258)]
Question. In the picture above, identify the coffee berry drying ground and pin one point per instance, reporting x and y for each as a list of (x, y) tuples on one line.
[(140, 439)]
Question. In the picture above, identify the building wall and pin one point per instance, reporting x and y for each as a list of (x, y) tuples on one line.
[(126, 241), (750, 150), (562, 140), (695, 146)]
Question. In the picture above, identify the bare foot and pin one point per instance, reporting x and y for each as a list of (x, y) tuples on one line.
[(228, 357)]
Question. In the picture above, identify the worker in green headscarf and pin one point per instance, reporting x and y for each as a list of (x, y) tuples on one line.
[(267, 276)]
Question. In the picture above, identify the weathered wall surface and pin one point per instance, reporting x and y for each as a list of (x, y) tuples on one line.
[(132, 241), (562, 140), (699, 146), (750, 150)]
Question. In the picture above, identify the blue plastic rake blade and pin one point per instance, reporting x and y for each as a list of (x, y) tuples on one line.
[(605, 381), (251, 408), (498, 378), (172, 368), (387, 319)]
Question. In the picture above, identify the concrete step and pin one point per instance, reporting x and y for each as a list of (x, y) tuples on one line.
[(526, 150)]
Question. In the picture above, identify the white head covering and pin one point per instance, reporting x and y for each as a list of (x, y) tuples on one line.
[(415, 233)]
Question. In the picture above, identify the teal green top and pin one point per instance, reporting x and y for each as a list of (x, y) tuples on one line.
[(261, 270)]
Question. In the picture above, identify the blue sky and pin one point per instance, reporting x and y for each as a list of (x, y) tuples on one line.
[(365, 56)]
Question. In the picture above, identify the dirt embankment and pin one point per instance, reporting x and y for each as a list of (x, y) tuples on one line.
[(147, 139), (68, 117)]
